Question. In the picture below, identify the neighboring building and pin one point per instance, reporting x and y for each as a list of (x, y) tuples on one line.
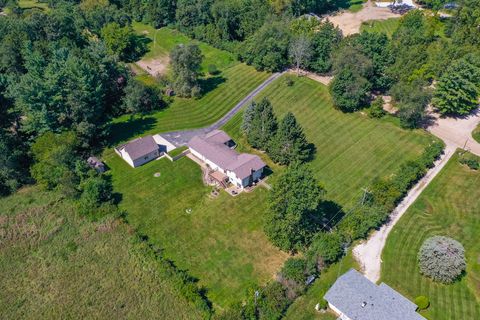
[(139, 151), (216, 150), (354, 297), (96, 164)]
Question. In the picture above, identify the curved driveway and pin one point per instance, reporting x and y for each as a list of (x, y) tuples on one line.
[(456, 133), (180, 138)]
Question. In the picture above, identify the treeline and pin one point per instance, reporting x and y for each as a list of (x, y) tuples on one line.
[(61, 70)]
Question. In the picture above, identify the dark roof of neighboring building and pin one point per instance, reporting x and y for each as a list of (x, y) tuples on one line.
[(360, 299), (140, 147), (212, 146)]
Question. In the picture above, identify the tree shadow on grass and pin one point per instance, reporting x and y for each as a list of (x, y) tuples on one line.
[(332, 213), (211, 83), (123, 131)]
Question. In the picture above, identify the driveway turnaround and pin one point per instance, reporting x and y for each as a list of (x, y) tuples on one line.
[(180, 138)]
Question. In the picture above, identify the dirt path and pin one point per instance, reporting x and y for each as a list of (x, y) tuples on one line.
[(350, 22), (368, 253), (323, 79), (180, 138)]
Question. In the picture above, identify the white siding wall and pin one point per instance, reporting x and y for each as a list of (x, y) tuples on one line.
[(147, 158), (231, 175), (138, 162)]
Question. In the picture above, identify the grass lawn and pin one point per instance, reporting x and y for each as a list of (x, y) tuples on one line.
[(304, 307), (385, 26), (449, 206), (163, 40), (57, 265), (226, 90), (31, 4), (352, 149), (220, 241), (356, 5), (476, 134)]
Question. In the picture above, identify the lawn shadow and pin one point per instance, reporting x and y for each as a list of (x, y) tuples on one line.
[(331, 212), (123, 131), (211, 83)]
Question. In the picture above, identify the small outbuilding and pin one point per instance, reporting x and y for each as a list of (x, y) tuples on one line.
[(96, 164), (139, 151)]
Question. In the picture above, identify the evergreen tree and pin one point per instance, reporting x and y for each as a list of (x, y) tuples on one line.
[(293, 214), (248, 116), (290, 143), (263, 126)]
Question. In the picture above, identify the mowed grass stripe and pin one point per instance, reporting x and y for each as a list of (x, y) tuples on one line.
[(182, 114), (352, 149), (449, 206)]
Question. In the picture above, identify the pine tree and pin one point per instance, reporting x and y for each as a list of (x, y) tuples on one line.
[(263, 126), (248, 116), (290, 143)]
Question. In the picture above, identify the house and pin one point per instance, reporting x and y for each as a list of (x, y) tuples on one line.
[(216, 149), (139, 151), (96, 164), (354, 297)]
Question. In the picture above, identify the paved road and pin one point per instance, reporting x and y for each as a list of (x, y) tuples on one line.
[(180, 138)]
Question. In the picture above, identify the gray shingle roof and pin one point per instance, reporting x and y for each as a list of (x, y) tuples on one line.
[(360, 299), (140, 147), (212, 146)]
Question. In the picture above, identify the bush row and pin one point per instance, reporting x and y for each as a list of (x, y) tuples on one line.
[(180, 280)]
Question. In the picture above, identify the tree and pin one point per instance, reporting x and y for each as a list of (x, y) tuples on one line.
[(294, 269), (376, 108), (324, 42), (412, 99), (248, 117), (293, 215), (442, 259), (350, 91), (457, 91), (290, 144), (96, 191), (140, 98), (325, 249), (55, 156), (186, 61), (300, 52), (267, 49), (263, 126), (122, 42)]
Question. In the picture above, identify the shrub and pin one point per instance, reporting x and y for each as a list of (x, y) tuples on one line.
[(376, 108), (422, 302), (289, 81), (326, 248), (212, 69), (294, 269), (471, 163), (442, 259)]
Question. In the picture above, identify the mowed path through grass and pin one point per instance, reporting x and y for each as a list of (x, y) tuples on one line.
[(231, 86), (449, 206), (352, 149), (220, 241)]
